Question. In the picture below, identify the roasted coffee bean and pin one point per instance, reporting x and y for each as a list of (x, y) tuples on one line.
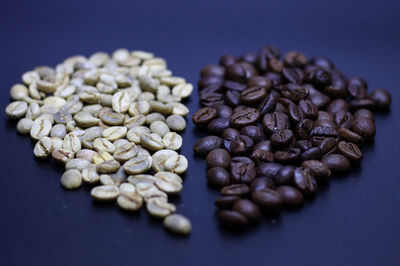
[(285, 175), (305, 181), (290, 195), (337, 106), (232, 97), (350, 150), (224, 111), (364, 113), (295, 59), (268, 169), (288, 156), (337, 163), (308, 108), (282, 138), (268, 104), (241, 145), (263, 145), (249, 58), (262, 156), (218, 177), (247, 208), (227, 60), (218, 157), (294, 92), (335, 91), (259, 81), (212, 70), (232, 219), (303, 129), (303, 144), (234, 86), (204, 145), (226, 202), (292, 75), (348, 135), (261, 183), (381, 98), (364, 127), (254, 132), (218, 125), (344, 119), (295, 113), (242, 170), (362, 104), (318, 169), (240, 71), (357, 88), (211, 99), (274, 122), (243, 116), (314, 153), (268, 199), (253, 95), (235, 190)]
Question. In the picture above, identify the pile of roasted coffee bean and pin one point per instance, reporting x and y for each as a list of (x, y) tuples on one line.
[(280, 127), (112, 121)]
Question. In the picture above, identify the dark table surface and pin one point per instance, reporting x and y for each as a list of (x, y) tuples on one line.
[(354, 221)]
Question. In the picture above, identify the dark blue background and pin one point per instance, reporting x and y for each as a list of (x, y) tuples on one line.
[(355, 221)]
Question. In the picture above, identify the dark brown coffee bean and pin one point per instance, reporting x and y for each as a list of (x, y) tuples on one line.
[(232, 98), (318, 169), (274, 122), (204, 145), (285, 175), (282, 138), (227, 60), (303, 144), (295, 113), (275, 65), (303, 129), (268, 169), (224, 111), (292, 75), (337, 106), (309, 109), (290, 196), (348, 135), (268, 199), (211, 99), (232, 219), (259, 81), (254, 132), (242, 170), (249, 58), (241, 145), (268, 104), (218, 157), (210, 81), (262, 156), (381, 98), (305, 181), (226, 202), (247, 208), (350, 150), (229, 134), (328, 145), (204, 115), (243, 116), (234, 86), (326, 132), (218, 125), (322, 62), (263, 145), (288, 156), (362, 104), (253, 95), (261, 183), (364, 113), (235, 190), (364, 127), (314, 153), (337, 163), (294, 92), (319, 99), (240, 72), (344, 119), (335, 91), (218, 177), (356, 90), (295, 59), (212, 70)]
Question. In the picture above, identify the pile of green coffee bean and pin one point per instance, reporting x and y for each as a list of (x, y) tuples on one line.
[(112, 120)]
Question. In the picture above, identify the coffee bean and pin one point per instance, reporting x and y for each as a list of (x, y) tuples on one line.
[(274, 122), (224, 111), (381, 98), (232, 219), (282, 138), (241, 145), (242, 170), (290, 195), (218, 125), (318, 169), (337, 106), (350, 150), (364, 113), (243, 116), (337, 163), (268, 169), (253, 95), (177, 224), (204, 145), (259, 81), (204, 115), (218, 177), (285, 175), (261, 183), (348, 135), (212, 70), (268, 199), (254, 132), (226, 202), (235, 190), (218, 157), (268, 104), (71, 179), (364, 127), (159, 207), (305, 181), (247, 208)]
